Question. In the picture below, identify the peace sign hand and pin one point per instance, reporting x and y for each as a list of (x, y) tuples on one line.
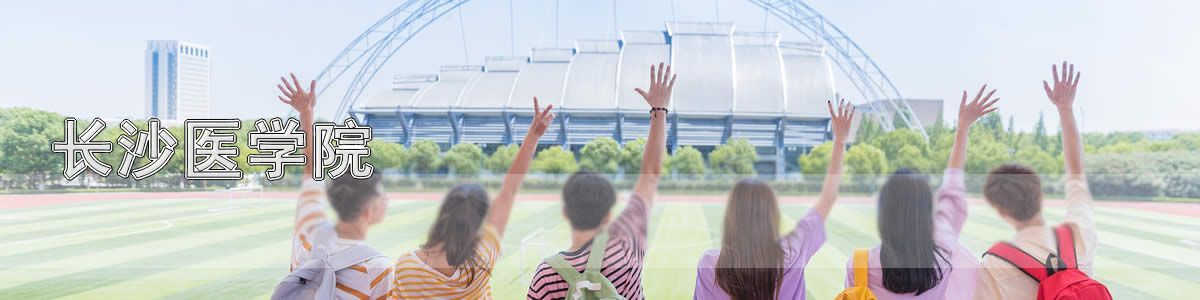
[(541, 120)]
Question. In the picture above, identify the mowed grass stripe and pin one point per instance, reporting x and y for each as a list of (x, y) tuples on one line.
[(158, 261), (38, 214), (218, 270), (58, 226), (74, 239), (1152, 217), (1135, 282), (680, 238), (39, 265)]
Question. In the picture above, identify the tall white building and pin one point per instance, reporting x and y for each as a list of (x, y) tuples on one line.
[(177, 80)]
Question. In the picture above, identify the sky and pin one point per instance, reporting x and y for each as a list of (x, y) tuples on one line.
[(1138, 58)]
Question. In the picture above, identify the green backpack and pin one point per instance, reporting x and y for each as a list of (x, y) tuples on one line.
[(591, 284)]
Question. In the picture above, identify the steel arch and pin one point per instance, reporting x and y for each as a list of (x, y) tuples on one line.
[(374, 47)]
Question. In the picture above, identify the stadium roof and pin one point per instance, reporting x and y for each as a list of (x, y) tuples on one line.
[(722, 72)]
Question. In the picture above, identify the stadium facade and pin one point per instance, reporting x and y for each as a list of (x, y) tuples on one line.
[(748, 85)]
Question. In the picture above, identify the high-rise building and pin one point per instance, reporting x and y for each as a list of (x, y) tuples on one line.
[(177, 80)]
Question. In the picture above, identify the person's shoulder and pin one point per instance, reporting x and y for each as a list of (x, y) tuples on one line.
[(709, 258), (381, 263)]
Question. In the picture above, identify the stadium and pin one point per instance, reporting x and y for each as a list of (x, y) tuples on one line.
[(777, 102), (763, 87)]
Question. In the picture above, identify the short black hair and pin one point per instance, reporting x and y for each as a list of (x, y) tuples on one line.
[(587, 198), (349, 195), (1015, 190)]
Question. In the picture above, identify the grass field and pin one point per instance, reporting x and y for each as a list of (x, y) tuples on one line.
[(235, 249)]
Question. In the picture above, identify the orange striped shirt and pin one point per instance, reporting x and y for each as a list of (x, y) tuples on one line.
[(417, 280), (368, 280)]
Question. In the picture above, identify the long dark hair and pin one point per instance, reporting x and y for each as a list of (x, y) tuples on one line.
[(457, 226), (751, 261), (911, 259)]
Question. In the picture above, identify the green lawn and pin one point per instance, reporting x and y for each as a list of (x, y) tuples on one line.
[(208, 249)]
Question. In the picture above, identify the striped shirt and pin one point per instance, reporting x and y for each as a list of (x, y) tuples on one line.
[(622, 257), (368, 280), (417, 280)]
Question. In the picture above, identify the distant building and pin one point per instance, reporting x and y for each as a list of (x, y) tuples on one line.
[(177, 80), (928, 111)]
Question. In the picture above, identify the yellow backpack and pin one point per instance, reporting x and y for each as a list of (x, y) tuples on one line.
[(859, 291)]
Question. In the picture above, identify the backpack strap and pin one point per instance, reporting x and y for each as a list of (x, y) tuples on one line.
[(562, 267), (596, 258), (1065, 239), (352, 256), (861, 257), (1020, 259)]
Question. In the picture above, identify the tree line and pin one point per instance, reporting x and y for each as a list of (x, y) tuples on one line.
[(1124, 163)]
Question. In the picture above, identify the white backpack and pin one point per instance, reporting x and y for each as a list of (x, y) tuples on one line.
[(315, 278)]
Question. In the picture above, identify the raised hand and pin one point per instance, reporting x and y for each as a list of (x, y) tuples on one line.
[(659, 95), (1062, 93), (841, 119), (295, 95), (541, 119), (969, 112)]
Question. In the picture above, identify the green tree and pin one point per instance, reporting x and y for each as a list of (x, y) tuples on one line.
[(1039, 134), (25, 138), (891, 142), (1040, 160), (909, 156), (465, 159), (555, 160), (631, 156), (736, 156), (865, 162), (502, 158), (687, 161), (602, 155), (387, 155), (868, 129), (424, 157), (816, 162), (984, 155)]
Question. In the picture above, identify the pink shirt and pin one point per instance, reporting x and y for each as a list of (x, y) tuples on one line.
[(949, 216)]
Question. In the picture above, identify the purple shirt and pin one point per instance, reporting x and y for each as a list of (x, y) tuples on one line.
[(949, 216), (798, 246)]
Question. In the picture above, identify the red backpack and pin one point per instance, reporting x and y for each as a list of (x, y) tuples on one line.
[(1059, 277)]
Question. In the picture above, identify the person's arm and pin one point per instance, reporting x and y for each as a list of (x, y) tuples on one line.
[(310, 208), (1079, 199), (968, 113), (833, 175), (1062, 94), (951, 209), (658, 97), (501, 207), (304, 102)]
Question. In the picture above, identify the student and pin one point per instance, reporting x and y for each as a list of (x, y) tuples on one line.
[(754, 262), (587, 200), (1016, 193), (359, 204), (463, 246), (919, 256)]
